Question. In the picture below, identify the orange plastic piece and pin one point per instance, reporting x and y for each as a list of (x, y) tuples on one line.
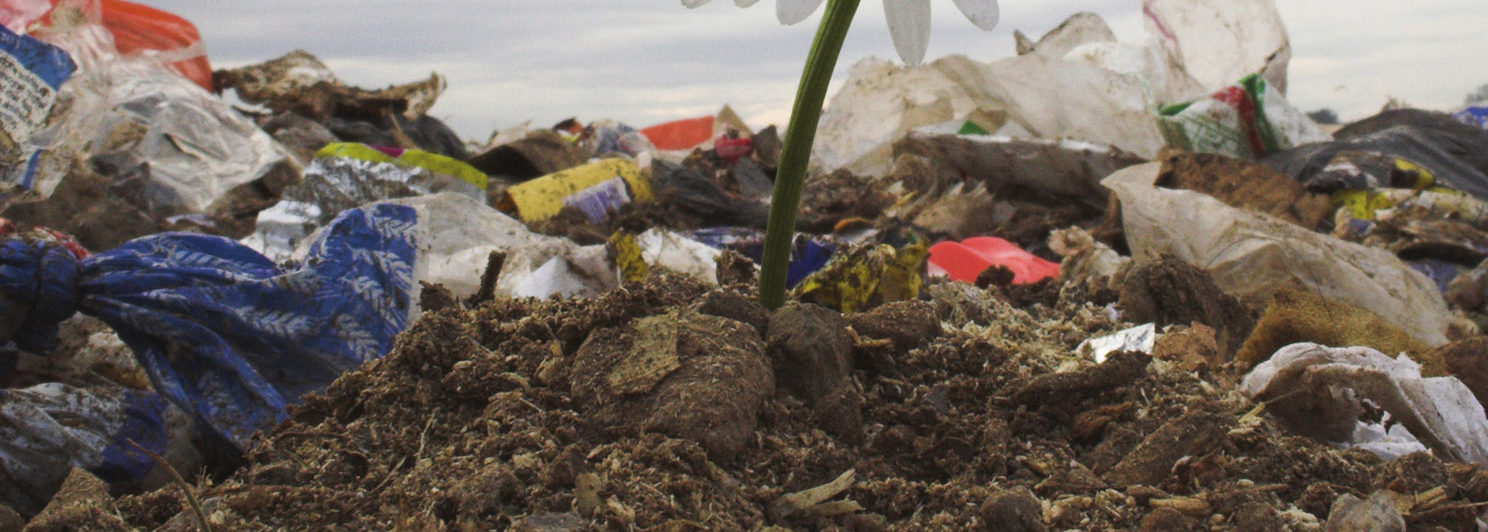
[(138, 27), (680, 134), (964, 260)]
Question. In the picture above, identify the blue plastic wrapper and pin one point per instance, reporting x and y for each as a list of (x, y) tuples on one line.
[(223, 332), (1476, 115), (807, 254)]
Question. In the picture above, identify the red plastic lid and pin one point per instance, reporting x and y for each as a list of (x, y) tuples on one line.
[(964, 260)]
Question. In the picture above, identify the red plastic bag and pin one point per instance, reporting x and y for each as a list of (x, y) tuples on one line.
[(731, 149), (138, 28), (964, 260)]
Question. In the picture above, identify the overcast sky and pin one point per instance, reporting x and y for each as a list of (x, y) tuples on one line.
[(649, 61)]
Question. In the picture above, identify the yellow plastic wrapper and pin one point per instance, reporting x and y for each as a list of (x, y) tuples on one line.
[(1361, 204), (626, 254), (541, 198), (1424, 178), (410, 158), (867, 277)]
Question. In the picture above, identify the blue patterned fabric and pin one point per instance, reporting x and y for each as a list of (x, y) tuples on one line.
[(38, 279), (222, 331)]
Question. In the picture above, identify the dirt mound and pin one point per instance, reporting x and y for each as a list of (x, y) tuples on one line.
[(635, 411), (690, 376)]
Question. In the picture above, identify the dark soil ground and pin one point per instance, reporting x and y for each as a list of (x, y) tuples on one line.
[(674, 406)]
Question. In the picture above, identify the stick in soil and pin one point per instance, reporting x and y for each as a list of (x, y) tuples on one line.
[(201, 516), (487, 291)]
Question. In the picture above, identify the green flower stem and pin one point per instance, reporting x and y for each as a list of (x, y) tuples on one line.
[(799, 135)]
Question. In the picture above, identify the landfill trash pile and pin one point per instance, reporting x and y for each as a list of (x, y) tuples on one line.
[(1162, 300)]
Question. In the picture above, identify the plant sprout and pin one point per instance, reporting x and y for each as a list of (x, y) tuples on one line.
[(909, 25)]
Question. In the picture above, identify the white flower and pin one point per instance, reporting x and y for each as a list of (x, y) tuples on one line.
[(909, 20)]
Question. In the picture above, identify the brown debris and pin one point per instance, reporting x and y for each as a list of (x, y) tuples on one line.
[(1152, 461), (1246, 185), (1121, 368), (811, 350), (689, 376), (83, 503), (1170, 291), (1468, 361), (1194, 348), (906, 324), (1014, 511), (1297, 315), (458, 429), (540, 153)]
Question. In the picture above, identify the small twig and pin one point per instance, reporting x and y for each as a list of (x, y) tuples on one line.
[(389, 475), (316, 434), (424, 437), (1463, 506), (487, 292), (185, 488)]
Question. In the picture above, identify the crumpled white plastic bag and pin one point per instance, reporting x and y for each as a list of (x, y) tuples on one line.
[(1311, 385)]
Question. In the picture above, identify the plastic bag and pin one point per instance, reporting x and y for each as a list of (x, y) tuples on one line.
[(1217, 41), (134, 111), (31, 72), (17, 14), (300, 82), (1251, 255), (1320, 390), (461, 232), (1247, 120), (1102, 93), (1140, 338), (606, 138), (48, 429), (143, 29), (1453, 154), (223, 332), (133, 29), (344, 176), (880, 103), (865, 277), (680, 134), (1078, 30)]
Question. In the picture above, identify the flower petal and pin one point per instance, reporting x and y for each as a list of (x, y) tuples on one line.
[(692, 4), (982, 13), (744, 3), (793, 11), (909, 25)]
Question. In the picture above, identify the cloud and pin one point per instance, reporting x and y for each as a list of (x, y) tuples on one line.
[(646, 62)]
